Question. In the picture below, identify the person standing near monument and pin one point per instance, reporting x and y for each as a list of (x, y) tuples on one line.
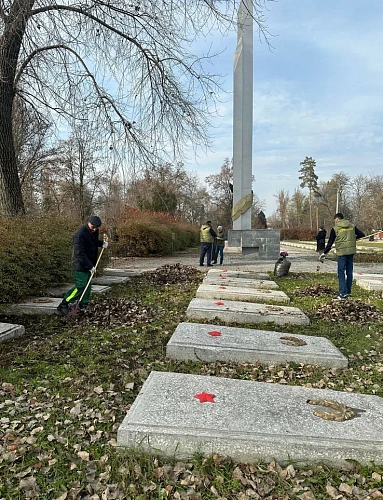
[(207, 235), (84, 258), (321, 239), (344, 234), (219, 245)]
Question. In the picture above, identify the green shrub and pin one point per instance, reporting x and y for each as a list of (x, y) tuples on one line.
[(144, 233), (34, 254)]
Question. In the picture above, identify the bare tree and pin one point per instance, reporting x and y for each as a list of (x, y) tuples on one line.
[(221, 193), (33, 152), (193, 199), (298, 210), (73, 177), (126, 65), (159, 188), (283, 199), (258, 218)]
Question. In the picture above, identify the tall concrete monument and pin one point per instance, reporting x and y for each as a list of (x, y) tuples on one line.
[(255, 244), (243, 119)]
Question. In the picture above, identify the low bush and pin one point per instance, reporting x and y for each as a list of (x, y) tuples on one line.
[(298, 233), (144, 233), (373, 257), (34, 254)]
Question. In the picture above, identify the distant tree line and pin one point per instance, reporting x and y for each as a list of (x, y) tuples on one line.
[(358, 198)]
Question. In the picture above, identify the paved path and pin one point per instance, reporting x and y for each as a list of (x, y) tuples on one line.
[(302, 260)]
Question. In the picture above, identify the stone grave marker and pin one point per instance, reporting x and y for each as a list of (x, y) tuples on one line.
[(179, 415)]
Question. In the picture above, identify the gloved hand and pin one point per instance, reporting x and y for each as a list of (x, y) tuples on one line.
[(322, 257), (105, 244), (93, 270)]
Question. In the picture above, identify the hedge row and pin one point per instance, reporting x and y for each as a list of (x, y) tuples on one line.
[(35, 254), (147, 233)]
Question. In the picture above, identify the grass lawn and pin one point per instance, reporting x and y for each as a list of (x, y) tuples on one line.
[(66, 385)]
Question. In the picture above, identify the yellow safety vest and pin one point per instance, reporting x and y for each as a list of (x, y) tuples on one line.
[(205, 236)]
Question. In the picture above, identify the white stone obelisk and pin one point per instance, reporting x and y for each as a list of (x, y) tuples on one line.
[(243, 119)]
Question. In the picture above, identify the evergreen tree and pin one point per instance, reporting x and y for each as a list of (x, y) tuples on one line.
[(309, 179)]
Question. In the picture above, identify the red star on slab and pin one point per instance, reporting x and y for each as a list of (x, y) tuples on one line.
[(214, 333), (219, 303), (204, 397), (222, 288), (224, 271)]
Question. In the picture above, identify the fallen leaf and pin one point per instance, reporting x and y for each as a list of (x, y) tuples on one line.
[(84, 455)]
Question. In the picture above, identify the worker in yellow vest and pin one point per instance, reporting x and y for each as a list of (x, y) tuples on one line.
[(207, 235)]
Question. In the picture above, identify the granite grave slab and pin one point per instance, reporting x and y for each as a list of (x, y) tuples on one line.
[(110, 280), (128, 273), (370, 284), (201, 342), (368, 276), (9, 331), (39, 305), (178, 414), (245, 312), (222, 292), (238, 274), (240, 282), (60, 291)]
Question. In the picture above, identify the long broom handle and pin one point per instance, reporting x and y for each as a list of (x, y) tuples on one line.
[(91, 277)]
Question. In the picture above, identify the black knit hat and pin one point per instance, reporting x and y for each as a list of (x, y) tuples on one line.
[(95, 221)]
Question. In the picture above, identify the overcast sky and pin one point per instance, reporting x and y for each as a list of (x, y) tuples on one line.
[(318, 92)]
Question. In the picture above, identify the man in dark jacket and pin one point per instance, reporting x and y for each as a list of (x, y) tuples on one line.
[(207, 235), (321, 239), (344, 234), (84, 258)]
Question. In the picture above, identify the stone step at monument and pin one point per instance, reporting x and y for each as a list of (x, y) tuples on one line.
[(201, 342), (110, 280), (221, 292), (127, 273), (240, 282), (231, 311), (370, 284), (250, 421), (60, 291), (249, 275), (9, 331), (368, 276)]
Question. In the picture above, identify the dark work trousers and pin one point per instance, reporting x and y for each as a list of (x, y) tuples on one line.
[(206, 249), (81, 280)]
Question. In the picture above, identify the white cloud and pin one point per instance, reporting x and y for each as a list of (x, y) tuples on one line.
[(318, 93)]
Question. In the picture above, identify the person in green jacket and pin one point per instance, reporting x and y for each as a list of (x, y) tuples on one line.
[(344, 234), (219, 245), (207, 235)]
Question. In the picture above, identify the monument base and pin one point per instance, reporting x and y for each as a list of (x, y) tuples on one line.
[(256, 244)]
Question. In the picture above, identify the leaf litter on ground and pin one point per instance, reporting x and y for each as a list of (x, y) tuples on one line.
[(59, 423)]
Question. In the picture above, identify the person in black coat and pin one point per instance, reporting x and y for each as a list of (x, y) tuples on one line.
[(84, 258), (321, 239)]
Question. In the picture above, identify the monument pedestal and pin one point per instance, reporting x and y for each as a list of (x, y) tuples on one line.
[(256, 244)]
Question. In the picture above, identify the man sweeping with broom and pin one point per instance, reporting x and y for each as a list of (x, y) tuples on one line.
[(84, 263)]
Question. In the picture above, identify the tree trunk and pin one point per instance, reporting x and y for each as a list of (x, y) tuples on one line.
[(11, 199)]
